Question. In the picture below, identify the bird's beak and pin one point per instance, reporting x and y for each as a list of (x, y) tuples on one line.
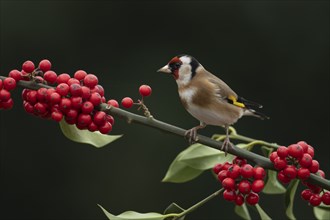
[(164, 69)]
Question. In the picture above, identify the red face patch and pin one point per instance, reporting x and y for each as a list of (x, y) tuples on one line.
[(175, 60)]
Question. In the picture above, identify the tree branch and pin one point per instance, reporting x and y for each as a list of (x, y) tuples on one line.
[(154, 123)]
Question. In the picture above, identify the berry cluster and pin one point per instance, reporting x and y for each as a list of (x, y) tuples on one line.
[(241, 181), (296, 161), (6, 85), (71, 98)]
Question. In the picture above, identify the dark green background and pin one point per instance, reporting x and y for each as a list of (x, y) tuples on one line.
[(273, 52)]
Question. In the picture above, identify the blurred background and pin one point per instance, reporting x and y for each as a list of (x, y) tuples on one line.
[(272, 52)]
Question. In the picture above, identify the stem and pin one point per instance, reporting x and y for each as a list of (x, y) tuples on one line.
[(197, 205), (162, 126)]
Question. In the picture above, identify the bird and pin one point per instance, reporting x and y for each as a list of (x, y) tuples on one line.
[(207, 98)]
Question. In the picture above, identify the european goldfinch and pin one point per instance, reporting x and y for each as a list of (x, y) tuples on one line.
[(208, 98)]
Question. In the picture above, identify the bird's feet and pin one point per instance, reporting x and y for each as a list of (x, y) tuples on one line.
[(191, 135), (226, 145)]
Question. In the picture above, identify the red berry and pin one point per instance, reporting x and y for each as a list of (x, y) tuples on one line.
[(86, 92), (228, 183), (321, 173), (49, 92), (217, 168), (273, 156), (279, 163), (113, 103), (252, 198), (306, 194), (57, 116), (234, 171), (62, 89), (326, 198), (304, 145), (306, 160), (9, 83), (314, 167), (50, 76), (73, 81), (310, 151), (54, 98), (100, 118), (1, 84), (315, 200), (70, 121), (282, 178), (226, 165), (15, 74), (80, 74), (87, 107), (40, 108), (99, 89), (45, 65), (290, 172), (303, 173), (222, 175), (145, 90), (239, 200), (65, 105), (92, 127), (257, 186), (4, 95), (244, 187), (63, 78), (31, 96), (7, 104), (282, 152), (41, 94), (28, 66), (239, 161), (84, 120), (76, 102), (247, 171), (95, 99), (110, 119), (127, 102), (106, 128), (229, 195), (90, 80), (295, 151), (71, 114), (259, 173), (28, 107)]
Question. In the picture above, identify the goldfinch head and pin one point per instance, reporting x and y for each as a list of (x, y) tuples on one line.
[(182, 67)]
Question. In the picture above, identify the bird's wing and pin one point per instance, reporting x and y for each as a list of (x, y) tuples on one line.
[(224, 92)]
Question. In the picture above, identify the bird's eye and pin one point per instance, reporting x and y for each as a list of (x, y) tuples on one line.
[(177, 65)]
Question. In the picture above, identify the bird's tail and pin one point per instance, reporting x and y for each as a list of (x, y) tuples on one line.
[(250, 108)]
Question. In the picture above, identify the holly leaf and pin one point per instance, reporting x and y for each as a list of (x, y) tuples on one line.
[(202, 157), (322, 212), (174, 208), (243, 212), (289, 198), (95, 138), (131, 215), (263, 215), (273, 186), (180, 172)]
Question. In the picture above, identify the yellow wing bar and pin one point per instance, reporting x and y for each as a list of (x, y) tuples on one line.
[(235, 102)]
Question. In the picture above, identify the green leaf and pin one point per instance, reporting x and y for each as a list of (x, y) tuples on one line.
[(289, 198), (84, 136), (243, 212), (179, 172), (262, 213), (273, 186), (202, 157), (133, 215), (174, 208), (322, 212)]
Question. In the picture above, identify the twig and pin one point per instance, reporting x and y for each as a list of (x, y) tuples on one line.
[(154, 123)]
